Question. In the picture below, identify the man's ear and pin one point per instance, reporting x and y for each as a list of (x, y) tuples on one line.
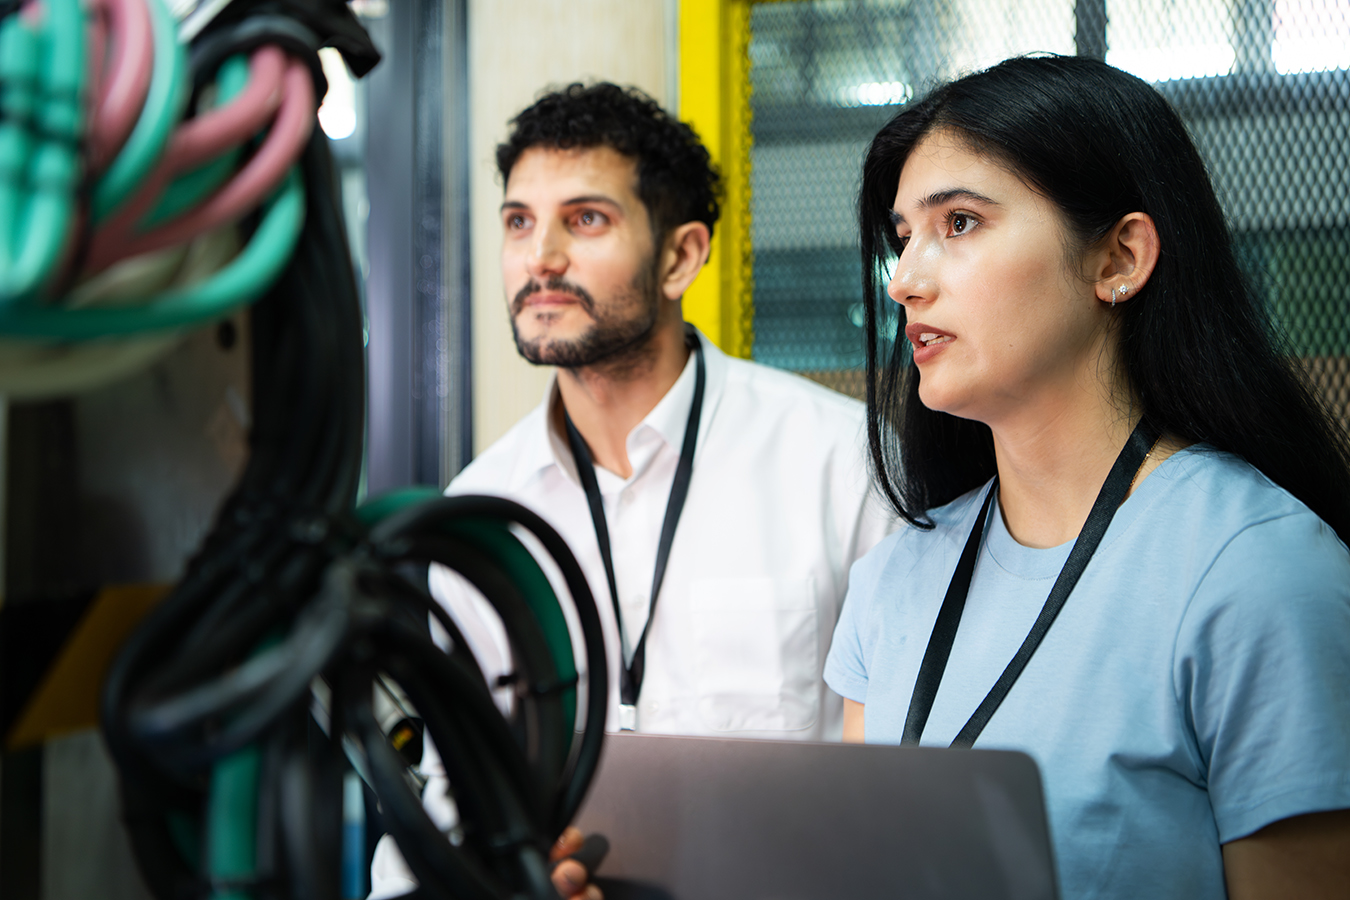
[(682, 257), (1123, 261)]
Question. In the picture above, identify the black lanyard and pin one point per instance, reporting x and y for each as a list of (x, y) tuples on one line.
[(630, 673), (1112, 494)]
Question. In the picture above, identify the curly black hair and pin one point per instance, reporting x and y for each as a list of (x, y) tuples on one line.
[(677, 181)]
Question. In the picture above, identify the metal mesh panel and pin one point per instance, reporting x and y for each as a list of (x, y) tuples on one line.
[(1263, 85)]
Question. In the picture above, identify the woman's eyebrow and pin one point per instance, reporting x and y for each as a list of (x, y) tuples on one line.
[(943, 197)]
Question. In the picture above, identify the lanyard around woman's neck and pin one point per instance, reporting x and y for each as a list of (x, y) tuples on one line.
[(631, 672), (1112, 494)]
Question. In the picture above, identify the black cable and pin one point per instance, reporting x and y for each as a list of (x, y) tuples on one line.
[(288, 590)]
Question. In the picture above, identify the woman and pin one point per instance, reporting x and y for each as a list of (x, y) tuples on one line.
[(1151, 508)]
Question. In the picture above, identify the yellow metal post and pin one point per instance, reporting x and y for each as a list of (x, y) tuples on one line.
[(715, 100)]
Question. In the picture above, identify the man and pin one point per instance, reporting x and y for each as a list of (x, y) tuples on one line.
[(607, 217)]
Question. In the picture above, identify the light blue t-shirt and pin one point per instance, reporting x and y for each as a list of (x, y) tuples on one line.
[(1194, 688)]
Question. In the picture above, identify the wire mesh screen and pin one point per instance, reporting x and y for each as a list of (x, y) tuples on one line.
[(1263, 85)]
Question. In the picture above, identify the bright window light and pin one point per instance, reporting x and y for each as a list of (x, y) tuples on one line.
[(876, 93), (1311, 36), (337, 115), (1156, 64)]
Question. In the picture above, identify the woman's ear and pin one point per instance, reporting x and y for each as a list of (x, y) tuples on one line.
[(682, 257), (1124, 260)]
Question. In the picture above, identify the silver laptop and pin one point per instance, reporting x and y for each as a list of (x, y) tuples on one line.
[(708, 819)]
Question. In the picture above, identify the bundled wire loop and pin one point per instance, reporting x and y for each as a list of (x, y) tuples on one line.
[(145, 190), (126, 191)]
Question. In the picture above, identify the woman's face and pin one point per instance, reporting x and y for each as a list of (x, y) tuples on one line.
[(1000, 325)]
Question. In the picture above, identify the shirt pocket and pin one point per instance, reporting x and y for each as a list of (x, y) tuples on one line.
[(757, 646)]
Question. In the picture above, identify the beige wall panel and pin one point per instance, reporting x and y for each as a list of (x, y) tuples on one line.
[(517, 48)]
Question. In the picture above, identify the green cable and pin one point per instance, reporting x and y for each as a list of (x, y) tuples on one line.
[(495, 540), (232, 823), (40, 217), (191, 188), (232, 815), (20, 82), (372, 512), (163, 107), (246, 277)]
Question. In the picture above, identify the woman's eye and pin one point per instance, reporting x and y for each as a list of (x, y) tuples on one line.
[(960, 223), (590, 218), (515, 222)]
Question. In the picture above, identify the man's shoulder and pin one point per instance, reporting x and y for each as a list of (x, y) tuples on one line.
[(499, 468), (775, 389)]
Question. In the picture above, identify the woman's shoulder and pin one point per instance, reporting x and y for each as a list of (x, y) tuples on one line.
[(1200, 481), (911, 546), (1220, 508)]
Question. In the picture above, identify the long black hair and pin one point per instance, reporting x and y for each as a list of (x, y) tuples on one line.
[(1195, 344)]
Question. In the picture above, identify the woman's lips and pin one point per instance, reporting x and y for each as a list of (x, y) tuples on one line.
[(927, 341)]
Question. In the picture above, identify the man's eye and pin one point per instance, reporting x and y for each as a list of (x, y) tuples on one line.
[(515, 222), (591, 218)]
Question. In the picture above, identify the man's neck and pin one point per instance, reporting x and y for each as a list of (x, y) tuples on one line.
[(606, 402)]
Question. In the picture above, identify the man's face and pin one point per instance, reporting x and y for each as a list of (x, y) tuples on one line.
[(577, 257)]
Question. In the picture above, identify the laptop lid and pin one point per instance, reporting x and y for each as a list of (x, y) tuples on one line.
[(706, 819)]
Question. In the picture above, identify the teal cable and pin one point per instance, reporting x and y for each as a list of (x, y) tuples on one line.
[(20, 64), (243, 280), (372, 512), (191, 188), (55, 166), (232, 823), (164, 104), (232, 816), (494, 539), (44, 210)]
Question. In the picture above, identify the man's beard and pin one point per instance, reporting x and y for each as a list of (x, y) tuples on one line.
[(620, 333)]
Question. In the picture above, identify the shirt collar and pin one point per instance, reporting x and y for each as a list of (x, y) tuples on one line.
[(667, 419)]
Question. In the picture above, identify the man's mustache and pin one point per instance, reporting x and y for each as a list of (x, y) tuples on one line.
[(555, 285)]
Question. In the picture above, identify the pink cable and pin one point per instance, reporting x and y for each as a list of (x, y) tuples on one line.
[(209, 135), (122, 92), (97, 38), (243, 193), (194, 142)]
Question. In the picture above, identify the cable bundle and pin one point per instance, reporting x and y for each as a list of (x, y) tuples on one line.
[(123, 181), (123, 219)]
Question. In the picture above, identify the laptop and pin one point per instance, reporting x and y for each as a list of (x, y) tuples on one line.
[(713, 819)]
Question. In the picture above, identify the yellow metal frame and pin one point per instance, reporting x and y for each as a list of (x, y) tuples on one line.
[(715, 100)]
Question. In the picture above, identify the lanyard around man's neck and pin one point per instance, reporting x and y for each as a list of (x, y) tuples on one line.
[(631, 672)]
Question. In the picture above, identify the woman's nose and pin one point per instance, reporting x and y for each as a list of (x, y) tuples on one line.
[(911, 280)]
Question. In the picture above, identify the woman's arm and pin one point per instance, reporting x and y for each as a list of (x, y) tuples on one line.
[(853, 721), (1307, 857)]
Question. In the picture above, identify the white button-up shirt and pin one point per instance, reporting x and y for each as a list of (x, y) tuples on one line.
[(778, 509)]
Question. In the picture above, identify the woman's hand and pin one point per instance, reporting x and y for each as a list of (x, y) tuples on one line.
[(570, 877)]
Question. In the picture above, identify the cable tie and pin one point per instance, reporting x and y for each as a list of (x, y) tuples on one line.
[(556, 686), (539, 688)]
